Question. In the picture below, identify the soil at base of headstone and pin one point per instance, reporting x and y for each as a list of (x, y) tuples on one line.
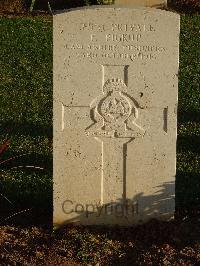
[(155, 243)]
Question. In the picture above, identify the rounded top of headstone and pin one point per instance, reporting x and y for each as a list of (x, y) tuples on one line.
[(113, 8)]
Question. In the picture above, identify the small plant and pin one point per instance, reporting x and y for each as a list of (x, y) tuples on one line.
[(3, 149), (105, 2), (4, 165), (87, 2), (32, 5)]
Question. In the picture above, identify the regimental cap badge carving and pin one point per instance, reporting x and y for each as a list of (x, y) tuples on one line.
[(114, 112), (114, 85)]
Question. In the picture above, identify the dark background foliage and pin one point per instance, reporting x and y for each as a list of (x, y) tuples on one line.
[(19, 6)]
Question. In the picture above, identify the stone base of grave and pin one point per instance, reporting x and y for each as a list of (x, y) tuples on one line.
[(141, 3)]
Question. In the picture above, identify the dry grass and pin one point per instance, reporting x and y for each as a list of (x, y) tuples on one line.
[(23, 6), (12, 6), (155, 243), (192, 3), (186, 6)]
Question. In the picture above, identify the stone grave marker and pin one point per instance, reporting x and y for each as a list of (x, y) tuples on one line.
[(115, 108), (144, 3)]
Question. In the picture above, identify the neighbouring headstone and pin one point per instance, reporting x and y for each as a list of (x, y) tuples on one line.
[(115, 108), (144, 3)]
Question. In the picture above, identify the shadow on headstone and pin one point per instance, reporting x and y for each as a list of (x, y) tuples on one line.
[(140, 208)]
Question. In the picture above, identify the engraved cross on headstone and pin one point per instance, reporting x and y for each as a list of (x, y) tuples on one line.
[(114, 113)]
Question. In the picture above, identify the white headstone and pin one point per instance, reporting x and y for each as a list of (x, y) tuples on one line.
[(115, 108), (145, 3)]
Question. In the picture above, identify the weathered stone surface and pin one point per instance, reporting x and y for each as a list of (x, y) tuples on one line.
[(144, 3), (115, 107)]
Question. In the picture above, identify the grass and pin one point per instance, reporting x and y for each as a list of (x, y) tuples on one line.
[(26, 119), (26, 109), (188, 145)]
